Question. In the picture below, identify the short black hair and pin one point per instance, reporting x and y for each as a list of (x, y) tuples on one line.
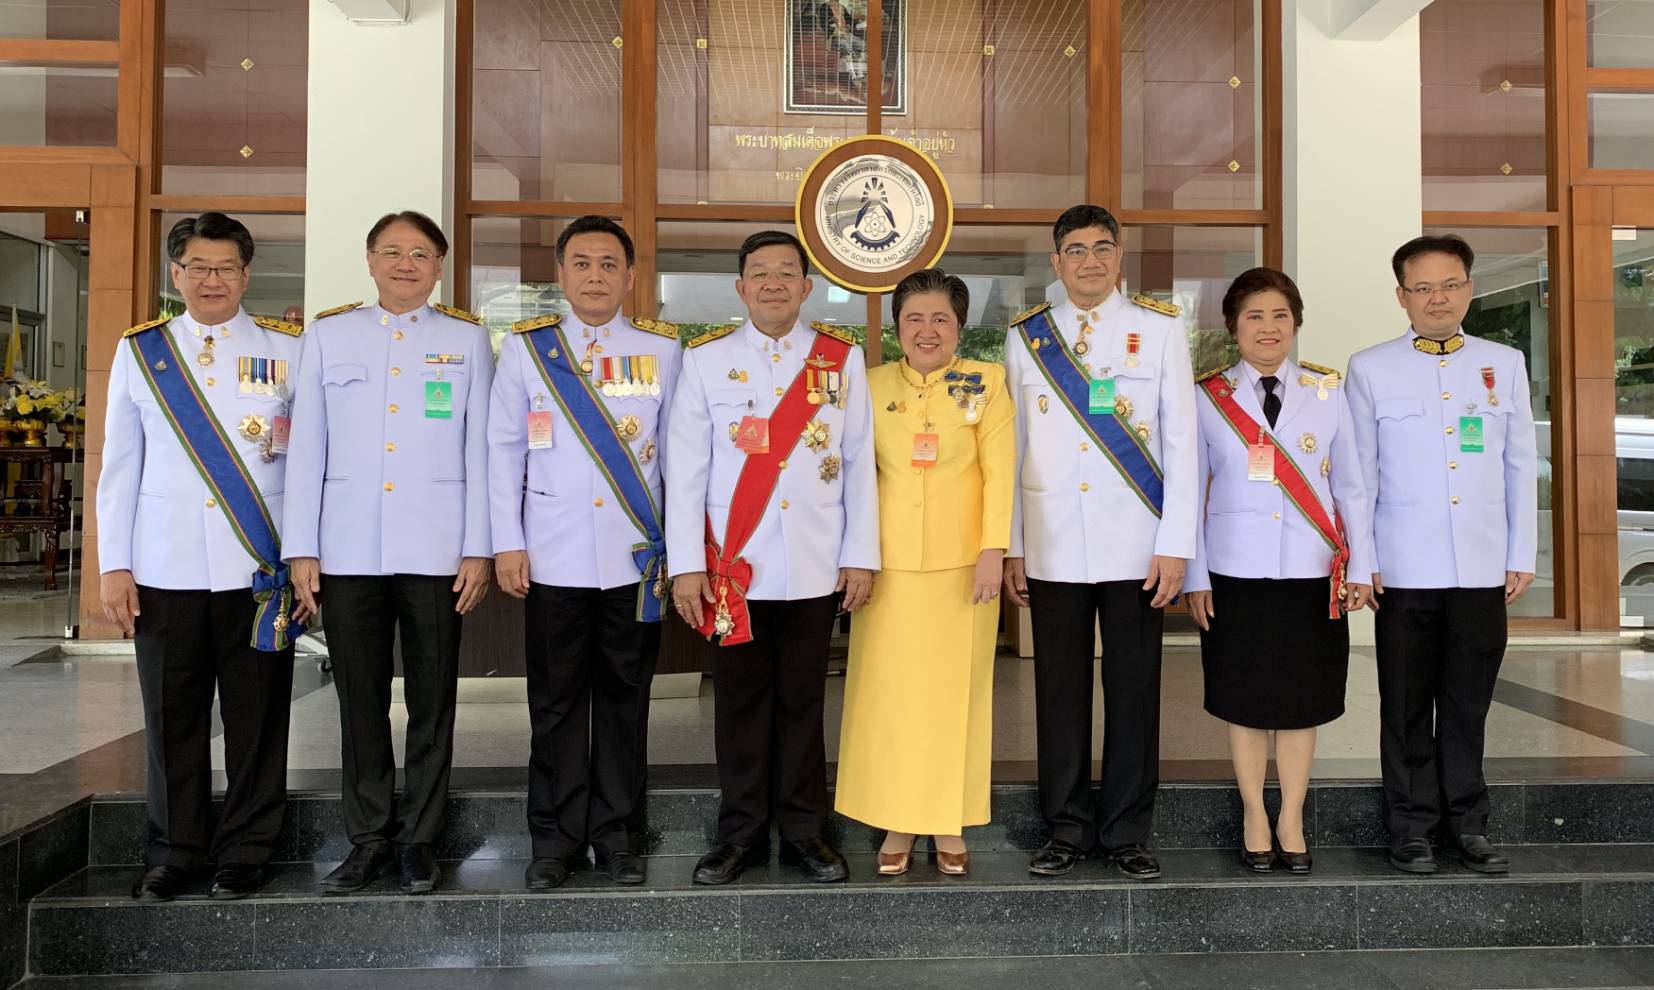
[(210, 226), (424, 224), (769, 238), (932, 280), (1080, 217), (1253, 281), (1451, 244), (591, 223)]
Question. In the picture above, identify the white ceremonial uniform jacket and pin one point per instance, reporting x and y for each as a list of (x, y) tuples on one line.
[(379, 481), (818, 520), (1073, 516), (156, 516), (566, 515), (1445, 516), (1250, 529)]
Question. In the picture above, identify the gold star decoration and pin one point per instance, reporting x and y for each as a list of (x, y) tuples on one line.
[(830, 467), (1307, 443), (816, 435)]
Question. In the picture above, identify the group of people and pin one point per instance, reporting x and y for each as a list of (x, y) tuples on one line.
[(383, 469)]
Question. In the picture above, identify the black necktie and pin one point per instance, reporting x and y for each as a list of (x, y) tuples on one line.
[(1271, 401)]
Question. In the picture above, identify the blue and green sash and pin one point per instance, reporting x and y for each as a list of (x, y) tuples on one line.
[(213, 453), (1113, 434), (600, 435)]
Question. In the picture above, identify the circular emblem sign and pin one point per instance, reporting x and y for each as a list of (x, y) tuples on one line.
[(872, 211)]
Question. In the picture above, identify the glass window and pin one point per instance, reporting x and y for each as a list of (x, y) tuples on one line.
[(1192, 267), (514, 271), (1006, 269), (67, 20), (57, 104), (1620, 34), (276, 287), (1482, 70), (997, 96), (1634, 419), (545, 107), (1622, 130), (1190, 104), (750, 92), (1512, 306), (236, 91)]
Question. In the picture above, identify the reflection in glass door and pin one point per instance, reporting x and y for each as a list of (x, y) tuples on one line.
[(1634, 419)]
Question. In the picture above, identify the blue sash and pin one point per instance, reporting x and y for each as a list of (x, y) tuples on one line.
[(578, 400), (1114, 436), (209, 447)]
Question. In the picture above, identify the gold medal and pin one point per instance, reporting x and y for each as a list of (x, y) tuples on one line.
[(1082, 348), (279, 623), (553, 353), (1123, 406), (1326, 467), (734, 430), (1044, 404), (829, 468), (630, 427), (1144, 431), (253, 426), (1307, 443), (817, 435), (648, 453), (206, 357), (722, 623), (586, 366)]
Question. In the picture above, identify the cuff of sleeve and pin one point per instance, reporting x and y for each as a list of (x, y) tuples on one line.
[(294, 549), (107, 564)]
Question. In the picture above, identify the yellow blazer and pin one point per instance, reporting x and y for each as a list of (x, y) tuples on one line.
[(941, 517)]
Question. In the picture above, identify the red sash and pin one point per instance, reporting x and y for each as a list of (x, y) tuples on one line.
[(729, 571), (1292, 481)]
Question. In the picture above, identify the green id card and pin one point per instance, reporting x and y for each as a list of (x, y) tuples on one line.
[(1101, 399), (439, 400), (1470, 434)]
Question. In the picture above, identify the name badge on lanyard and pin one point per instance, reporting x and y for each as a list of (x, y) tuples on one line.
[(439, 400), (1101, 397), (281, 429), (753, 435), (927, 447), (539, 425), (1470, 434), (1260, 461)]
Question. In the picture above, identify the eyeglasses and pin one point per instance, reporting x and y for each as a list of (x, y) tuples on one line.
[(1425, 291), (225, 273), (1102, 249), (418, 256), (779, 278)]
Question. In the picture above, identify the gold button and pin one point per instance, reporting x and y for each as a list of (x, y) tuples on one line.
[(211, 382), (212, 503), (1085, 446), (776, 358), (391, 447), (398, 335), (916, 502), (783, 503), (1277, 515), (398, 371), (413, 319), (1453, 465), (1454, 500), (1443, 362), (597, 502), (1450, 429), (783, 465), (1275, 481), (1084, 487), (779, 393), (390, 486), (1447, 395), (393, 407)]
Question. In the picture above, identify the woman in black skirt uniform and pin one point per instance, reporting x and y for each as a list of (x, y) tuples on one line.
[(1285, 518)]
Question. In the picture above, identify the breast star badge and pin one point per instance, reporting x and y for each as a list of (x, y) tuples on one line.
[(830, 468), (816, 437), (1308, 444)]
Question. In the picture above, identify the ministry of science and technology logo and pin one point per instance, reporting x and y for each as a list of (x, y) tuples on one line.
[(872, 211)]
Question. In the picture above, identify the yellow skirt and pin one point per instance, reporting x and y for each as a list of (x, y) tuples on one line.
[(916, 745)]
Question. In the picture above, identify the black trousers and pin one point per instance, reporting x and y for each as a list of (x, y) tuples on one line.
[(1063, 615), (364, 614), (1439, 651), (589, 666), (772, 760), (187, 642)]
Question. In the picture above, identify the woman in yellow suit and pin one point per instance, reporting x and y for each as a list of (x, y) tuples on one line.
[(916, 744)]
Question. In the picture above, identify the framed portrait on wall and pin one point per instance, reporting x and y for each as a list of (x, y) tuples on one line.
[(826, 56)]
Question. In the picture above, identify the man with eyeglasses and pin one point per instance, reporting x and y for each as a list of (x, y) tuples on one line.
[(188, 503), (1445, 430), (1102, 528), (387, 526), (771, 528)]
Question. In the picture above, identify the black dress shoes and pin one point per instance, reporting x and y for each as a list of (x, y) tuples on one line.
[(546, 873), (161, 883), (1478, 854), (419, 871), (819, 862), (1055, 858), (1298, 863), (1135, 861), (1412, 856), (364, 865), (723, 864), (233, 881), (624, 868), (1263, 862)]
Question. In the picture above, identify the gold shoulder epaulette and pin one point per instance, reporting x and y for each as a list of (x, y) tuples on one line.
[(456, 313), (279, 326), (1159, 306), (536, 322), (715, 333), (150, 325), (658, 327), (1027, 313), (837, 333), (335, 311), (1210, 374), (1321, 369)]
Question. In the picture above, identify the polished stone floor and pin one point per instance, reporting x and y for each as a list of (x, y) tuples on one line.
[(1469, 969)]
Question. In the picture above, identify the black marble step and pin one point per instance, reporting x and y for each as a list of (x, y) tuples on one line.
[(1557, 895), (680, 821)]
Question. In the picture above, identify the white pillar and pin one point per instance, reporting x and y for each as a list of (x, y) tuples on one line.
[(1351, 183), (381, 138)]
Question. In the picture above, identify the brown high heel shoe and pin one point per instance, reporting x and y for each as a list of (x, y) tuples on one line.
[(895, 864), (953, 864)]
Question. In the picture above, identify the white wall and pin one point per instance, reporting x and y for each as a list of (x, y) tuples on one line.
[(380, 139)]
